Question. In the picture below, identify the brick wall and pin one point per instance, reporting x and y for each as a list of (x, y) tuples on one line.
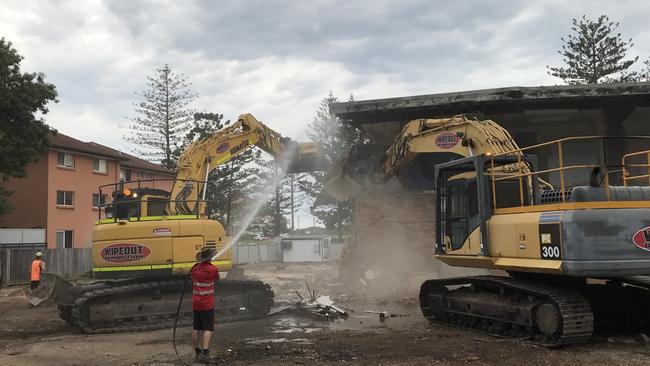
[(404, 221)]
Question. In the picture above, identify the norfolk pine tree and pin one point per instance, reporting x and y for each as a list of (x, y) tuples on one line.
[(593, 53), (163, 117), (24, 137), (335, 139), (284, 201)]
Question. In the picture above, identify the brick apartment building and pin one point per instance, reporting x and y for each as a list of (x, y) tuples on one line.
[(60, 192)]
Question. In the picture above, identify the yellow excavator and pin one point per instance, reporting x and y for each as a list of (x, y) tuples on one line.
[(147, 242), (572, 237)]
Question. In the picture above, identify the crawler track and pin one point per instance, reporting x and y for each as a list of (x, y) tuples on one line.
[(132, 306), (505, 306)]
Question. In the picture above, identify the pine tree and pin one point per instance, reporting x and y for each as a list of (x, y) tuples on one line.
[(335, 138), (285, 203), (230, 187), (296, 196), (280, 202), (593, 52), (644, 74), (163, 118)]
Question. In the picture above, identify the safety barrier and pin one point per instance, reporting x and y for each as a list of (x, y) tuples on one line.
[(517, 167), (629, 168)]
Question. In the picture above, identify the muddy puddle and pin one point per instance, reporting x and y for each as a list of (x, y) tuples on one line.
[(293, 326)]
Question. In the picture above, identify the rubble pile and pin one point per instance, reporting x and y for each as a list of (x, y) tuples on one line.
[(321, 307)]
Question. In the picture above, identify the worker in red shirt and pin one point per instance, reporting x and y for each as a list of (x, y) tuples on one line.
[(204, 275)]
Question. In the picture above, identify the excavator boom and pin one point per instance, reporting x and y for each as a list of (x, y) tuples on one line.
[(205, 155)]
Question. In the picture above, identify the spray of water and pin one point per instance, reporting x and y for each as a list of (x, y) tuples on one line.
[(283, 161)]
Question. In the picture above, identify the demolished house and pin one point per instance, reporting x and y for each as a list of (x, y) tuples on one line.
[(396, 230)]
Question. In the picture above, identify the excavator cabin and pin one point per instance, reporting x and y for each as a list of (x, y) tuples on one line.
[(499, 212)]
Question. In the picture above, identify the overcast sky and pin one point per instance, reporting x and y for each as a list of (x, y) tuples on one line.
[(277, 59)]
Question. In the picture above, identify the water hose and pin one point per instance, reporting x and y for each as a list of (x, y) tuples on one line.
[(178, 312)]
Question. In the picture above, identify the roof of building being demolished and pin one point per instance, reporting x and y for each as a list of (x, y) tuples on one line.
[(385, 116)]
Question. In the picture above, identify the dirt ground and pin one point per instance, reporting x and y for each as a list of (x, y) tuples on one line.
[(36, 336)]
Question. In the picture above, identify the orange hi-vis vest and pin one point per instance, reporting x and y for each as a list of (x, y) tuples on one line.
[(36, 269)]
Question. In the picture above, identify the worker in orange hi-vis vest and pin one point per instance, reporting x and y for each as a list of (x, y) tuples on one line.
[(38, 266)]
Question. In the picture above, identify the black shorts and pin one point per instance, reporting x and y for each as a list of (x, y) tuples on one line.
[(203, 320), (34, 284)]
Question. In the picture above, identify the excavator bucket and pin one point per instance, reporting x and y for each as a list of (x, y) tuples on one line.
[(351, 175), (51, 289), (309, 158)]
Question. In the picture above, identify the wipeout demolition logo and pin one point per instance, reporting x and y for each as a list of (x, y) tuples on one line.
[(125, 252), (447, 140), (223, 148), (642, 238)]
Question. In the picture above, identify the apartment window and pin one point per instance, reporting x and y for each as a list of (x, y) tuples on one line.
[(64, 238), (125, 175), (97, 201), (99, 165), (65, 198), (65, 159), (144, 175)]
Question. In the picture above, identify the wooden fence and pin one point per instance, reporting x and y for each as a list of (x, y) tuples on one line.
[(15, 264)]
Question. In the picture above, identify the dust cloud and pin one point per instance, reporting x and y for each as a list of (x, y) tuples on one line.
[(391, 251), (265, 192)]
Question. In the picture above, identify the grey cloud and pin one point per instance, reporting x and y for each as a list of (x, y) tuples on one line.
[(319, 29), (278, 58)]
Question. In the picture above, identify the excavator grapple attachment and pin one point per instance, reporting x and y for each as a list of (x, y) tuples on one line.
[(308, 158), (339, 185), (359, 169)]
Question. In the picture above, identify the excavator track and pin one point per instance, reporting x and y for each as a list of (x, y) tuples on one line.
[(550, 316), (619, 306), (133, 306)]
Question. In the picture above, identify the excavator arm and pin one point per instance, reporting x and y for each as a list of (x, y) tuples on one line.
[(420, 143), (457, 135), (203, 156)]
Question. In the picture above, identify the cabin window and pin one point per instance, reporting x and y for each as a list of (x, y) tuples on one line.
[(461, 205)]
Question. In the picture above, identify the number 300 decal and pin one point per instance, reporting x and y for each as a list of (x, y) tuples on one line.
[(551, 252)]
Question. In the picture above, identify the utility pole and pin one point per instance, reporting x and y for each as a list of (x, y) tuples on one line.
[(292, 207)]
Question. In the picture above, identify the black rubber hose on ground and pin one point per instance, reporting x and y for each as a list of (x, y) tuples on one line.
[(178, 313)]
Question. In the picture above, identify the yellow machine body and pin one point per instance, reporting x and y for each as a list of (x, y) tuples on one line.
[(156, 245)]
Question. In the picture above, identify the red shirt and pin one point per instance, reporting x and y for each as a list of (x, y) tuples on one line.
[(204, 275)]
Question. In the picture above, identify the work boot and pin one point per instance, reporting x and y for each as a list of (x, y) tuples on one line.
[(197, 352), (204, 357)]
